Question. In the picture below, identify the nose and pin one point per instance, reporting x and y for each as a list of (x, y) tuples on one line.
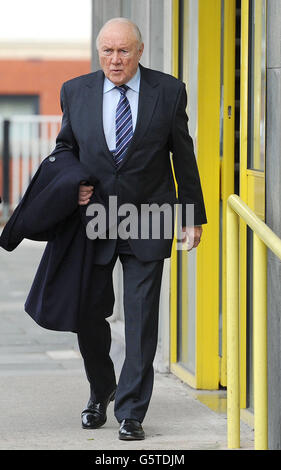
[(115, 58)]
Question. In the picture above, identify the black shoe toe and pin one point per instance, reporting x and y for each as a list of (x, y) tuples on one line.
[(131, 429), (94, 416)]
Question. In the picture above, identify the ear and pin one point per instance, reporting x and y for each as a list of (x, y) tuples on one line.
[(141, 50)]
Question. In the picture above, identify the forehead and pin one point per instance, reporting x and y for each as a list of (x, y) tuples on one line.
[(118, 34)]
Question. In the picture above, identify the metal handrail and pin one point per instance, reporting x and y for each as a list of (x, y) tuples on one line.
[(264, 238)]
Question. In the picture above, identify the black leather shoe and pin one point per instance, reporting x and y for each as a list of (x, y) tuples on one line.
[(94, 416), (130, 430)]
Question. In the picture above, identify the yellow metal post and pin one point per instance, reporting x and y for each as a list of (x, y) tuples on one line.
[(232, 287), (260, 343), (263, 237)]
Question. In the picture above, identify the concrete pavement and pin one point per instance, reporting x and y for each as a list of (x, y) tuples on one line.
[(43, 386)]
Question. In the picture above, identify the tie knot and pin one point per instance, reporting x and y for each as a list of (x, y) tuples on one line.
[(123, 89)]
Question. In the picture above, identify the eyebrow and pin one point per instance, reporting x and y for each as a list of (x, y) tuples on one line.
[(123, 46)]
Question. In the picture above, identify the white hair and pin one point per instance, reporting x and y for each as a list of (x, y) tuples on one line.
[(124, 21)]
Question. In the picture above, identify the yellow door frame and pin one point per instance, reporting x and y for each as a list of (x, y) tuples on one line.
[(244, 68), (208, 140), (217, 182), (227, 162), (176, 368), (252, 181), (208, 148)]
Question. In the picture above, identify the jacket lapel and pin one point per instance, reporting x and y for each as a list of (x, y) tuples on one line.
[(148, 97), (94, 100)]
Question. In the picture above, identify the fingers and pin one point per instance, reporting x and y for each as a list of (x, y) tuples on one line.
[(194, 237), (85, 193)]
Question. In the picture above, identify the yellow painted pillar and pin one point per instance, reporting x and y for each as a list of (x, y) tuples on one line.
[(208, 156), (232, 289)]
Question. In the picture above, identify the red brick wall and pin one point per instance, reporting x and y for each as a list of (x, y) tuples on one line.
[(40, 77)]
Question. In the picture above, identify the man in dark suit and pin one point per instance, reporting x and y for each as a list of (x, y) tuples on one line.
[(122, 122)]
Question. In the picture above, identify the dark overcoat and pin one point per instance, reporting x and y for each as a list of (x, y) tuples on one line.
[(49, 212)]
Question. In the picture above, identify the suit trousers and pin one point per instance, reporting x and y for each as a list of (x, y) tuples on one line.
[(142, 285)]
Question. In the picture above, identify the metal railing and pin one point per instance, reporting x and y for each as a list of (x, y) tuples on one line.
[(25, 141), (263, 238)]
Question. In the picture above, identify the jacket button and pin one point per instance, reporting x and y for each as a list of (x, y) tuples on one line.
[(52, 159)]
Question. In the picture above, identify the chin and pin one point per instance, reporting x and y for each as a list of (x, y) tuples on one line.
[(118, 77), (117, 81)]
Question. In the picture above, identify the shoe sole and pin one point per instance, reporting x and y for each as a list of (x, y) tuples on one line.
[(131, 438)]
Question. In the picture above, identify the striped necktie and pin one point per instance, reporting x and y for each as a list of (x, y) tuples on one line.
[(123, 125)]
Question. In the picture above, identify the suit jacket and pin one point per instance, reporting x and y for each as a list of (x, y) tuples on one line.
[(49, 212), (145, 175)]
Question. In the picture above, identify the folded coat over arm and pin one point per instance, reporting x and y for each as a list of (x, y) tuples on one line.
[(49, 212)]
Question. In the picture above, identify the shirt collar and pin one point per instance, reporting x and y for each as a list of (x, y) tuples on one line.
[(133, 84)]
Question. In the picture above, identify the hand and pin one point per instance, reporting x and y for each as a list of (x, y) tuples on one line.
[(192, 236), (85, 192)]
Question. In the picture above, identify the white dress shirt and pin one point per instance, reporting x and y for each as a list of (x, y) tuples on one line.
[(111, 98)]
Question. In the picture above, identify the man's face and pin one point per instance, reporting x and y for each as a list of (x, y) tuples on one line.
[(119, 53)]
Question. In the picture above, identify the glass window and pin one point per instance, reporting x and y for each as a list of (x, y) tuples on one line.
[(256, 105), (186, 321), (13, 104), (256, 151)]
